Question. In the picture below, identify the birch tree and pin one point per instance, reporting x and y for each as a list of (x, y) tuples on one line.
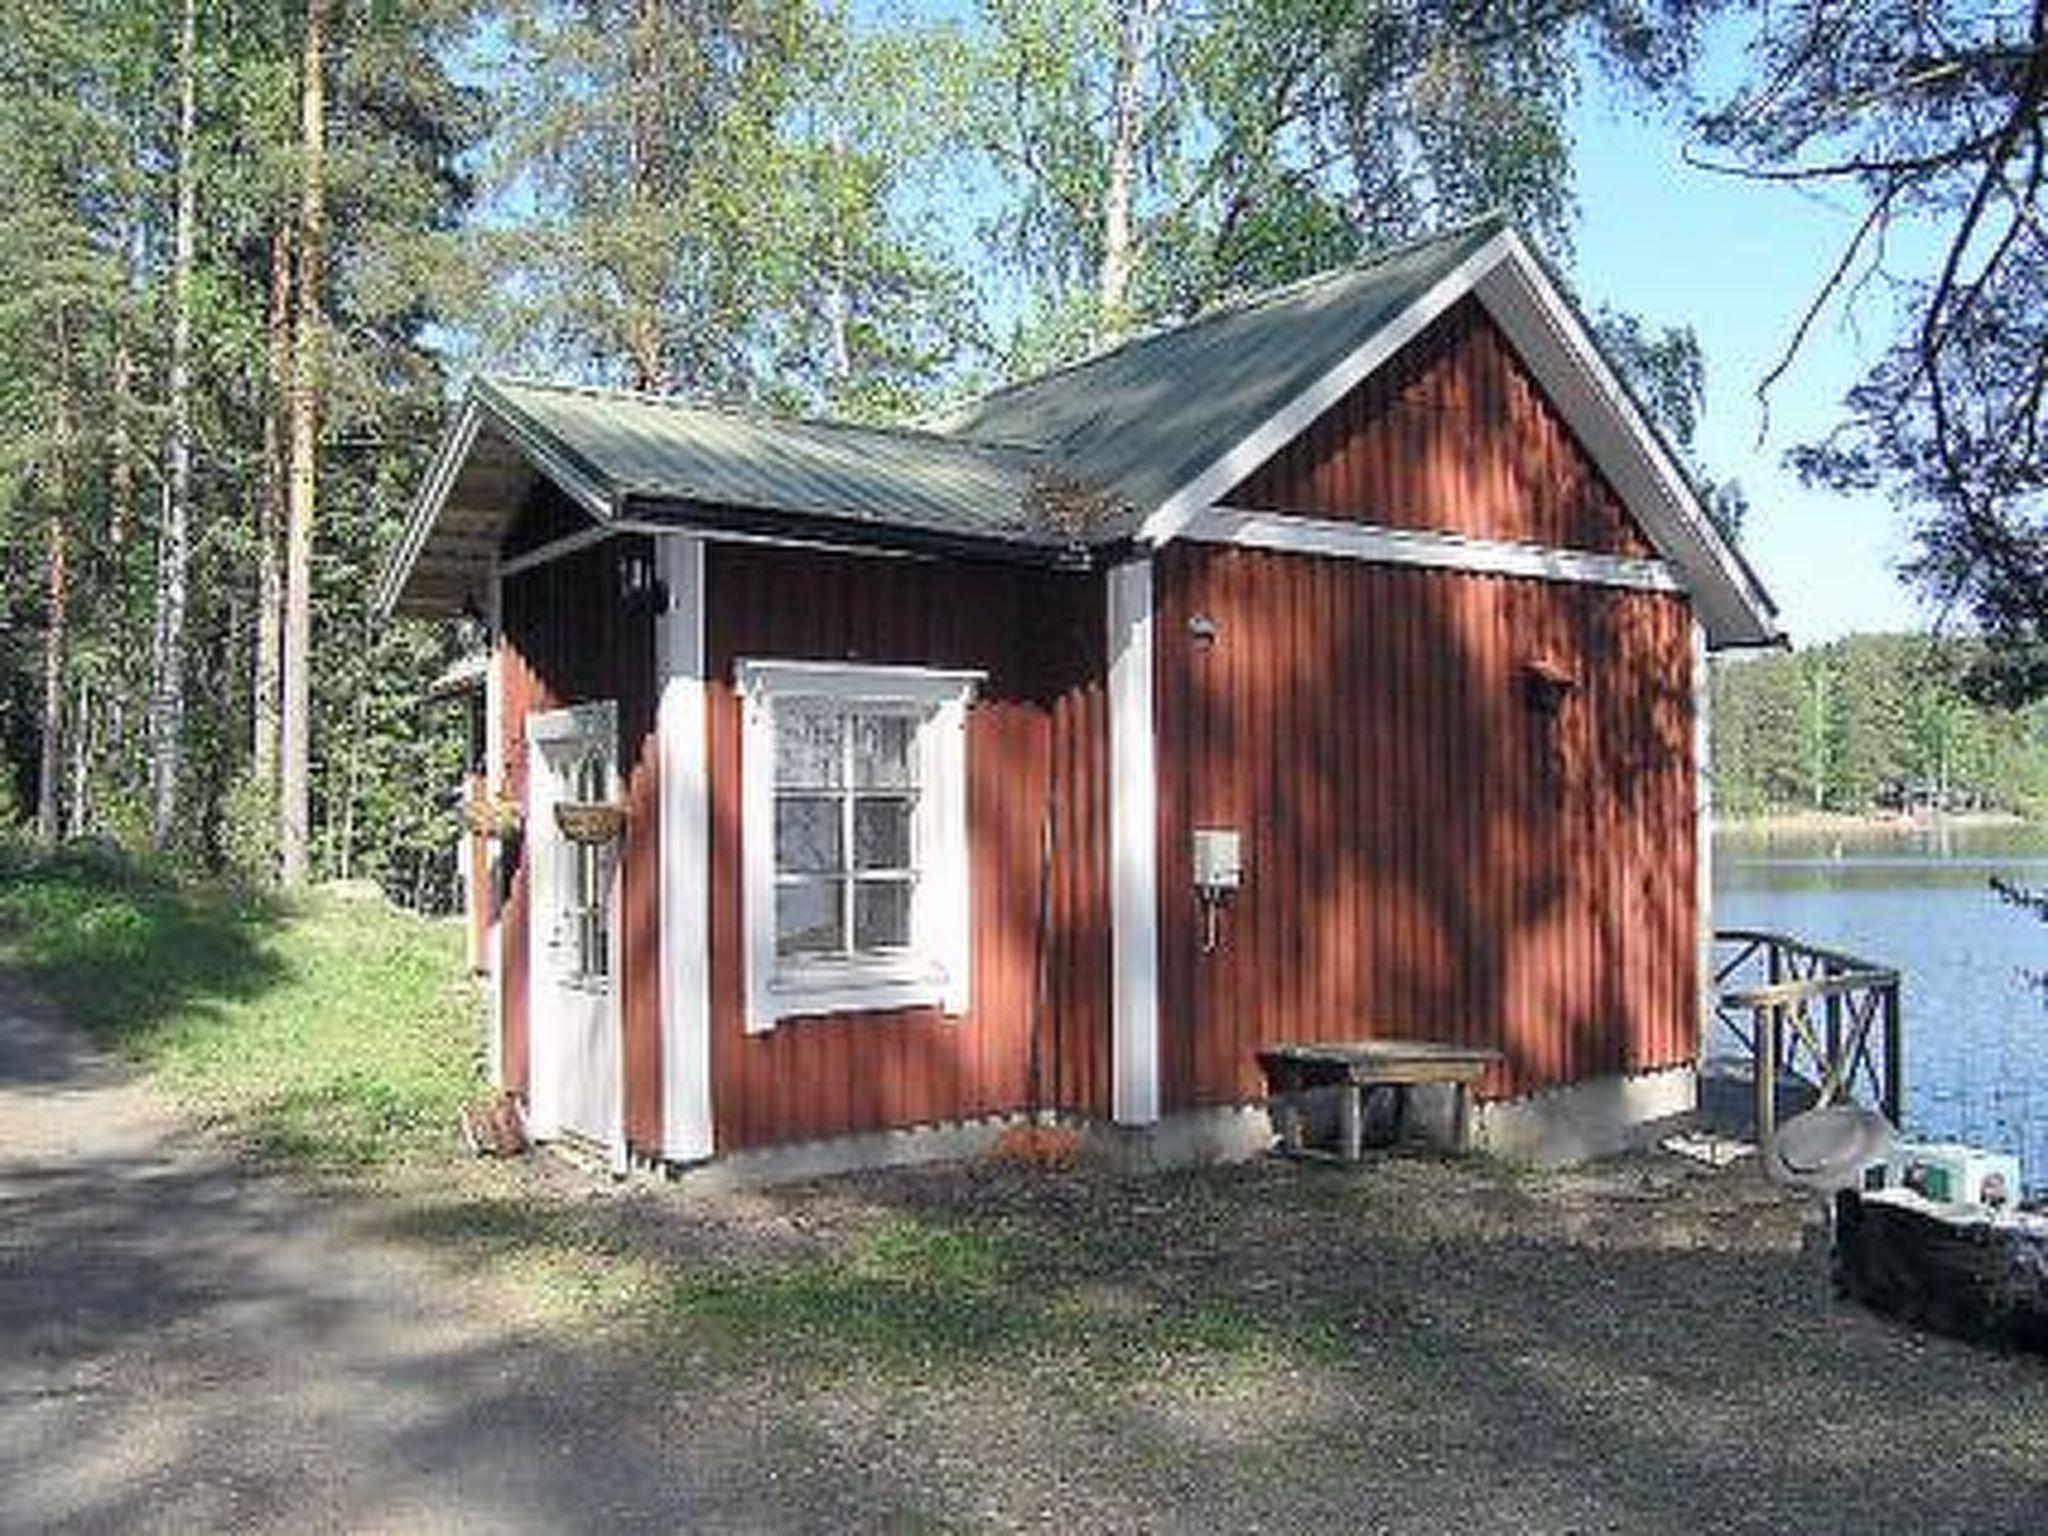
[(302, 485), (1160, 155), (167, 691)]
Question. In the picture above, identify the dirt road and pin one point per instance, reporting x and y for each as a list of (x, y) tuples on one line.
[(187, 1345)]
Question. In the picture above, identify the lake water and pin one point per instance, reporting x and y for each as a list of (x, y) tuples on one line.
[(1976, 1020)]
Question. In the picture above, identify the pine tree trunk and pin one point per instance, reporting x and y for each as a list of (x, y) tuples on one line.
[(270, 521), (167, 684), (56, 594), (295, 767), (1127, 126)]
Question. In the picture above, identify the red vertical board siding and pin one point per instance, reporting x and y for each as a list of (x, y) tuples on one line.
[(1452, 435), (1428, 851), (564, 641), (1036, 746)]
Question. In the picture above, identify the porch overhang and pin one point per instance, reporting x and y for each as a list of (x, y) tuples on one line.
[(487, 466)]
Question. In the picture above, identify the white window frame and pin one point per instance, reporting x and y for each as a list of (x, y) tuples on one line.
[(934, 970)]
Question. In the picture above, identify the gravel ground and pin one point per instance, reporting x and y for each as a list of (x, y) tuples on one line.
[(190, 1345), (1413, 1346)]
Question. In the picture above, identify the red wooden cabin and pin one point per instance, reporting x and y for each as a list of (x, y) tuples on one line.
[(914, 732)]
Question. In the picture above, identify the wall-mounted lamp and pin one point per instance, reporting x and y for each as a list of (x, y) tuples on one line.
[(641, 589), (473, 614)]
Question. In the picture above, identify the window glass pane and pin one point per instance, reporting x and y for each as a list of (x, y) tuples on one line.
[(808, 834), (809, 915), (881, 832), (810, 746), (881, 914), (882, 757)]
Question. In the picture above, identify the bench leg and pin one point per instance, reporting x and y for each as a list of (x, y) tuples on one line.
[(1351, 1122), (1461, 1118), (1292, 1122)]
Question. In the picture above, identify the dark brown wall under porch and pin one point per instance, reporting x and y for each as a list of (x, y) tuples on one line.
[(566, 640)]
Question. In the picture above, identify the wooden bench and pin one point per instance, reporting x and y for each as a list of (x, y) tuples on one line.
[(1353, 1066)]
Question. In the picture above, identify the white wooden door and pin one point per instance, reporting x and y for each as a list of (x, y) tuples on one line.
[(573, 933)]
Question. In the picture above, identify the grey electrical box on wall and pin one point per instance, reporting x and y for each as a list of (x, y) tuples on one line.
[(1219, 864)]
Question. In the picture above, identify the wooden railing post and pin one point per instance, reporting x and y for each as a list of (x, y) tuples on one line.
[(1817, 1003), (1832, 1070), (1894, 1058), (1765, 1076)]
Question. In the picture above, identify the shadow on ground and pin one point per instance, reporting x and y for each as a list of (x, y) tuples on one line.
[(188, 1344), (126, 950), (1417, 1346)]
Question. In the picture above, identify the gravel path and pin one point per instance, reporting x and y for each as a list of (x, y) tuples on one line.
[(186, 1345)]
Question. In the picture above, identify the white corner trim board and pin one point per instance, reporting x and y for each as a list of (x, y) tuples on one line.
[(1440, 551), (494, 784), (687, 1132), (1703, 824), (934, 970), (1134, 846)]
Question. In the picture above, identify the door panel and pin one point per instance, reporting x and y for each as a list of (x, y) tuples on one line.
[(576, 1035)]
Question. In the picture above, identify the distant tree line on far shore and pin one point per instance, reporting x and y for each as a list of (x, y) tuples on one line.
[(1871, 724)]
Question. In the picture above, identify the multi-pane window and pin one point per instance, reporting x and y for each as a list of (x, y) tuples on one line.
[(846, 804), (855, 838)]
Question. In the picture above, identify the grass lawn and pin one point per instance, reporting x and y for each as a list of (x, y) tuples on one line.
[(324, 1031)]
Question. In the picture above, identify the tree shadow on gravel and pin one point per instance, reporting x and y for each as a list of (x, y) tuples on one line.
[(1419, 1345)]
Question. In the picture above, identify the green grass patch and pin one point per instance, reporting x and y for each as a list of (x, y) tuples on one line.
[(329, 1032), (912, 1291)]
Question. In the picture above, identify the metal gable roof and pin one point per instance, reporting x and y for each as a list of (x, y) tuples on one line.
[(1147, 418), (637, 448), (1128, 445)]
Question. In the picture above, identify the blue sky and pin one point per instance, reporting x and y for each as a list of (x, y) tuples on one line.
[(1738, 261)]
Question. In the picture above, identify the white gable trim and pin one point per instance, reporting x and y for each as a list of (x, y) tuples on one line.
[(1536, 318), (579, 487), (1520, 297), (426, 510), (1172, 516), (446, 469), (1437, 551)]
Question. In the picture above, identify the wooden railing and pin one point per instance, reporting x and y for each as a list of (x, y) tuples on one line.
[(1811, 1014)]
